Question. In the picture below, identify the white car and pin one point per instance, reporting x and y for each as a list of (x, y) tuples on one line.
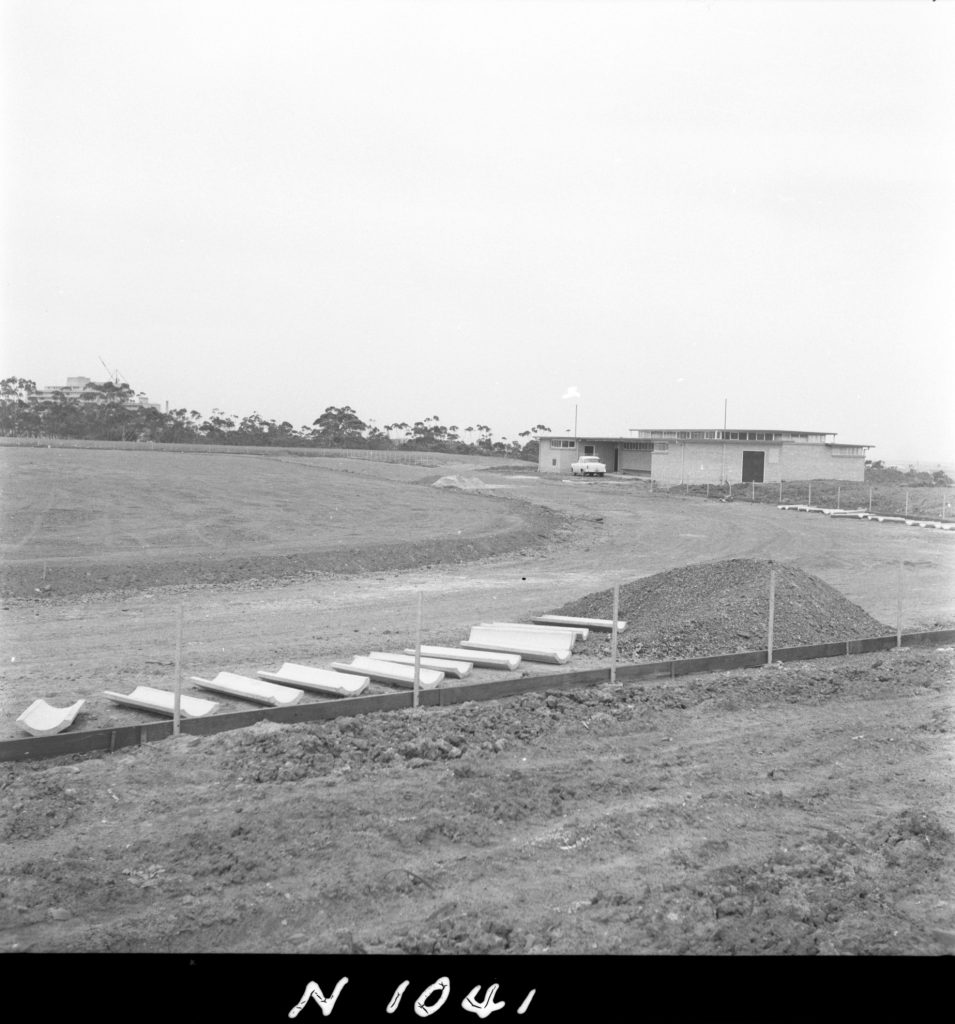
[(588, 465)]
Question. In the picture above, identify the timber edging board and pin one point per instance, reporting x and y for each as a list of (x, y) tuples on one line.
[(66, 743)]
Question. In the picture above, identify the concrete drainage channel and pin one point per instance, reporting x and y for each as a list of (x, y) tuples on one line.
[(63, 744)]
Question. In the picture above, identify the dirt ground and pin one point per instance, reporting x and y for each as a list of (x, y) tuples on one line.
[(800, 809)]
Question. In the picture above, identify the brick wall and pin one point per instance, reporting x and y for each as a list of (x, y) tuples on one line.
[(695, 463)]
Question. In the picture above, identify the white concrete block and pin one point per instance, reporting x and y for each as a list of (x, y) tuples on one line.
[(448, 666), (494, 636), (545, 629), (256, 690), (320, 680), (42, 719), (390, 672), (146, 698), (478, 658), (550, 655), (571, 620)]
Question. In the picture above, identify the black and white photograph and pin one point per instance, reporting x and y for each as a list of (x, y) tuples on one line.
[(477, 505)]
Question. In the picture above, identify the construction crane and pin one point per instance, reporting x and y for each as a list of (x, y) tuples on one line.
[(114, 375)]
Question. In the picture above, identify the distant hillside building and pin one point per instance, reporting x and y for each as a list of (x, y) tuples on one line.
[(82, 389), (675, 456)]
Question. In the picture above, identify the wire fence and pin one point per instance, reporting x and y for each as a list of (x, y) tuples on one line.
[(929, 503)]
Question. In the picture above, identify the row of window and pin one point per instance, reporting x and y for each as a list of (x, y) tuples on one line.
[(692, 435), (730, 435), (628, 446)]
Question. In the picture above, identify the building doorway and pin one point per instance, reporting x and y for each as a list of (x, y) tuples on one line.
[(753, 466)]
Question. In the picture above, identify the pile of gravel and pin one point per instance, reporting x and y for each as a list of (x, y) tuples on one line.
[(722, 608)]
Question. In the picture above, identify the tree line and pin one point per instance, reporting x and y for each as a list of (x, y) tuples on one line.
[(878, 472), (111, 412)]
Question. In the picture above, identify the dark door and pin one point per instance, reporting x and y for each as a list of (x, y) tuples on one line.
[(616, 459), (753, 467)]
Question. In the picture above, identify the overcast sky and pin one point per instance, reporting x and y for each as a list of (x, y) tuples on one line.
[(469, 210)]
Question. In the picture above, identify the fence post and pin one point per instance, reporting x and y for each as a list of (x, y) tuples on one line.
[(177, 698), (839, 496), (613, 635), (809, 502), (772, 615), (870, 499), (752, 490), (906, 502), (898, 630), (780, 492), (417, 654)]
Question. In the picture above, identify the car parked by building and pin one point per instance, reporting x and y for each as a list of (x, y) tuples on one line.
[(588, 465)]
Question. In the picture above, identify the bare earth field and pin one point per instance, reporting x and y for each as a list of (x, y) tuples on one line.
[(798, 809)]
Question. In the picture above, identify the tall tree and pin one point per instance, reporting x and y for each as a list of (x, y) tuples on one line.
[(339, 427)]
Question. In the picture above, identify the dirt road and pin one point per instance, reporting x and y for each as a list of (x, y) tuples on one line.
[(66, 649), (804, 809)]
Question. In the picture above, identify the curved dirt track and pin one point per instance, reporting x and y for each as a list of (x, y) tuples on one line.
[(76, 648), (803, 809)]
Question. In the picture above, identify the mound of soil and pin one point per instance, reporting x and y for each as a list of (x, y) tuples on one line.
[(464, 483), (722, 608)]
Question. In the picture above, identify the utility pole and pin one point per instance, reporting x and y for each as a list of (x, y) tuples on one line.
[(723, 455)]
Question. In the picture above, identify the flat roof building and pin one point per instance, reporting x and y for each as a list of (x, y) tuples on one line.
[(83, 389), (674, 456)]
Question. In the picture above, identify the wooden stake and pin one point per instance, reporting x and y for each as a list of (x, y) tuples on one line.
[(417, 654), (772, 615), (177, 698), (613, 634), (898, 631)]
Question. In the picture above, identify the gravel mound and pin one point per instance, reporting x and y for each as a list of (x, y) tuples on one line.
[(464, 483), (722, 608)]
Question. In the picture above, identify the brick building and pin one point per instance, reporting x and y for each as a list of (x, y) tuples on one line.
[(677, 456)]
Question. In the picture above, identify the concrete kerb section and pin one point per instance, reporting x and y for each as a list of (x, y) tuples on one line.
[(319, 680), (162, 702), (390, 672), (448, 666), (576, 632), (478, 658), (42, 719), (258, 691), (102, 740), (553, 649), (573, 620)]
